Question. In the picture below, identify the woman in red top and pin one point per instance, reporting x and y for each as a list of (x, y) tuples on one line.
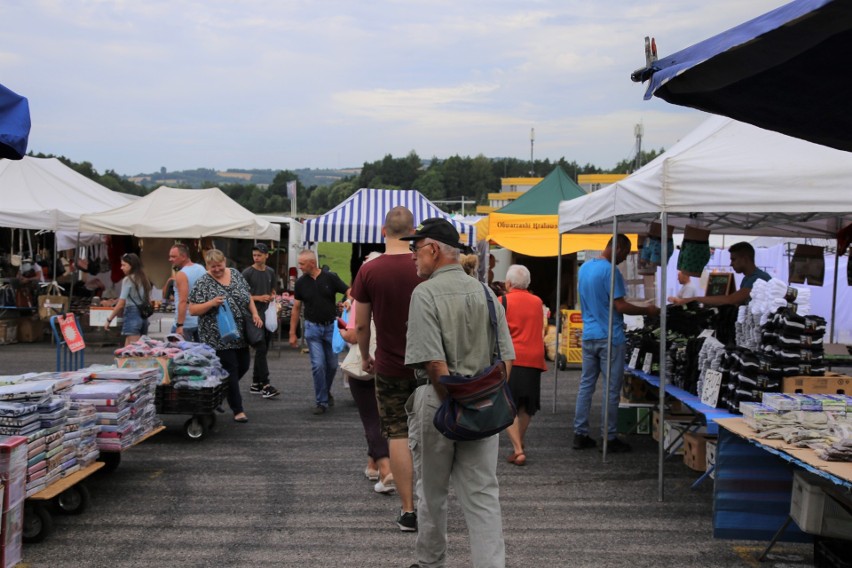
[(525, 316)]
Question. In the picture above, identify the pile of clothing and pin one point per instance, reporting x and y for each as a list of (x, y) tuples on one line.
[(822, 422), (124, 404), (36, 406)]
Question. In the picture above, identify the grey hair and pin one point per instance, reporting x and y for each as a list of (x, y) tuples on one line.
[(309, 252), (518, 276), (448, 251)]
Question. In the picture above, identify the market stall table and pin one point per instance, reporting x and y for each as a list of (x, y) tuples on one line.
[(754, 480)]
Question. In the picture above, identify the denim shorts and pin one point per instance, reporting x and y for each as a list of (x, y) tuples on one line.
[(133, 322)]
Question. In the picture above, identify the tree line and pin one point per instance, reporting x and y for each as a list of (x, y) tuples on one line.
[(438, 179)]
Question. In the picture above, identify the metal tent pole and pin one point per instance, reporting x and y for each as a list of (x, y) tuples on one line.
[(834, 294), (664, 258), (558, 318), (613, 253)]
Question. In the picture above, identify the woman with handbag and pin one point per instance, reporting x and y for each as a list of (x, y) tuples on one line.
[(222, 284), (134, 301)]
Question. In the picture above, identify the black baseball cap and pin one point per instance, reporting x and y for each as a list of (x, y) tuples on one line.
[(261, 247), (438, 229)]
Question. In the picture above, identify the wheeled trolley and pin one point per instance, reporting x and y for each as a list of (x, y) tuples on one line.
[(112, 459), (68, 495), (200, 403)]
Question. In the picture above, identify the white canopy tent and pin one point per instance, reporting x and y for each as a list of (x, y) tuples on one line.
[(730, 178), (168, 212), (44, 193)]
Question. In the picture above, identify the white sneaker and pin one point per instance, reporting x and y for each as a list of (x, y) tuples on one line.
[(371, 474), (387, 486)]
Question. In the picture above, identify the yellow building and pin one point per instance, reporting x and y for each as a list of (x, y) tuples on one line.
[(593, 182), (510, 189)]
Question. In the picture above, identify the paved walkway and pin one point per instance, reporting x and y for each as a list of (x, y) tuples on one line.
[(287, 489)]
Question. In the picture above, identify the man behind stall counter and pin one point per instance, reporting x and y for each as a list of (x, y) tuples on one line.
[(742, 261)]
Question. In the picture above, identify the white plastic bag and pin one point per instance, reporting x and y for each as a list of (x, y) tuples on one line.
[(270, 317)]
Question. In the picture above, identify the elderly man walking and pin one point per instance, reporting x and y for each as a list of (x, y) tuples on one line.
[(317, 290), (452, 335)]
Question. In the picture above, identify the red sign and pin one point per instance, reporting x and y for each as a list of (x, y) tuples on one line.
[(71, 333)]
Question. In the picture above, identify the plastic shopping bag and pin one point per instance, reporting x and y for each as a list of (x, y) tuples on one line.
[(338, 344), (227, 324), (270, 317)]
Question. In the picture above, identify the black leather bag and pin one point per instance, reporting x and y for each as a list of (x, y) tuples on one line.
[(480, 406), (254, 335)]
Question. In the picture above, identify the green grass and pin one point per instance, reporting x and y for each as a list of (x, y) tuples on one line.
[(336, 256)]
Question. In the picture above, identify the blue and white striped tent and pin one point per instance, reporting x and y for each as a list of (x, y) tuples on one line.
[(359, 219)]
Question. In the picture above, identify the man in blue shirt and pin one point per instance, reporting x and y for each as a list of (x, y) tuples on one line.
[(594, 287)]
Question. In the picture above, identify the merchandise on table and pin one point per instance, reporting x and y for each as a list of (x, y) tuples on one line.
[(820, 422)]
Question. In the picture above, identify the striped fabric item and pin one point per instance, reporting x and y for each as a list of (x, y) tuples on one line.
[(359, 219)]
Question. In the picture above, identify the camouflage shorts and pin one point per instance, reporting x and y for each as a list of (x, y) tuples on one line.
[(392, 393)]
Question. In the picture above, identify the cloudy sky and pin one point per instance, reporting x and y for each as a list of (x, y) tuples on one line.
[(135, 85)]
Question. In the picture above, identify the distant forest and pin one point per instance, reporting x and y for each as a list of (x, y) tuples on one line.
[(265, 191)]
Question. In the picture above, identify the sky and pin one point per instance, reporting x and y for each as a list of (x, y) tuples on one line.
[(136, 85)]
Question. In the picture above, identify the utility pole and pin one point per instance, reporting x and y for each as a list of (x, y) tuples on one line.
[(638, 131), (532, 144)]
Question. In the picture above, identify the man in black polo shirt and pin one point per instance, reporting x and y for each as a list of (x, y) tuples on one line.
[(317, 289)]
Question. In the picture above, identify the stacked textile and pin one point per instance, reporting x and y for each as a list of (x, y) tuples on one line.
[(13, 467), (820, 422), (111, 402), (59, 456), (197, 366), (143, 383), (792, 344), (82, 426), (123, 401)]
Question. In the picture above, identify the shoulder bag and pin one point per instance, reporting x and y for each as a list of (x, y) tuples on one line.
[(480, 406)]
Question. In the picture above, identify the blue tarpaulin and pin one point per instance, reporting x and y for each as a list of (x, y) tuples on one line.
[(14, 124), (787, 70)]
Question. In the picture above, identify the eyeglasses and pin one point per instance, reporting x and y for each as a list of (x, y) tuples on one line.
[(414, 248)]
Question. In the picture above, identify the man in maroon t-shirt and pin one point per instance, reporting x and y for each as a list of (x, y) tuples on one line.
[(383, 289)]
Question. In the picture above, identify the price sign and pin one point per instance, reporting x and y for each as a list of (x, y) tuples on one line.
[(646, 366), (634, 359), (710, 388)]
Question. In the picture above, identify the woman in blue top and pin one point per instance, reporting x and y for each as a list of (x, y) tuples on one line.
[(135, 291)]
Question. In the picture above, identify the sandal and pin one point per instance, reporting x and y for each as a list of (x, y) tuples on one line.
[(520, 459), (241, 417)]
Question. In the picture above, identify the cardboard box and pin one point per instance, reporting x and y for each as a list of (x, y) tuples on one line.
[(633, 389), (164, 364), (710, 456), (31, 330), (695, 451), (634, 418), (8, 331), (673, 426), (829, 384)]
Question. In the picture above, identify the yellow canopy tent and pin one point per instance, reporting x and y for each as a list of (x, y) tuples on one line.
[(530, 224)]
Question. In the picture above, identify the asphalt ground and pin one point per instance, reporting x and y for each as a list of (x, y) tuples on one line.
[(287, 489)]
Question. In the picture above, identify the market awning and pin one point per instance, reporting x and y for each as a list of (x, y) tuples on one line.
[(530, 224), (360, 218), (786, 71)]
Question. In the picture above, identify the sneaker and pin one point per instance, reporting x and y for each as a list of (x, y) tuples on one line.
[(256, 388), (387, 486), (319, 410), (330, 400), (270, 392), (583, 442), (407, 522), (617, 446)]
